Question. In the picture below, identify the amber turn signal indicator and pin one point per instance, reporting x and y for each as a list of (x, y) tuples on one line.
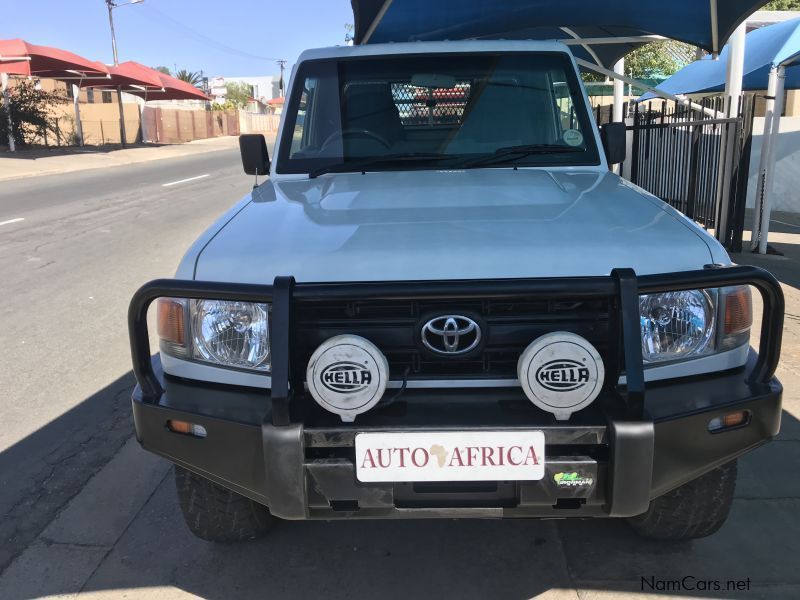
[(729, 421), (172, 320), (738, 310), (186, 428)]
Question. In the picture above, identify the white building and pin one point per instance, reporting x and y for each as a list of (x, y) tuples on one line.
[(265, 87)]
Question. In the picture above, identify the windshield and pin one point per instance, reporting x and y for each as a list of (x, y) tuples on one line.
[(437, 111)]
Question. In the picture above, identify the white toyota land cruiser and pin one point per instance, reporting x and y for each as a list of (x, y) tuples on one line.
[(442, 303)]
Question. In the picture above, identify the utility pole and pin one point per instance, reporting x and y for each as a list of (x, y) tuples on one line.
[(282, 84), (112, 4)]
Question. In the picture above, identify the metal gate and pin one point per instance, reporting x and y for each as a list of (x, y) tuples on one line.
[(676, 155)]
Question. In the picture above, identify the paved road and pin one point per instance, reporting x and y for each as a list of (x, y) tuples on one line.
[(87, 241), (82, 508)]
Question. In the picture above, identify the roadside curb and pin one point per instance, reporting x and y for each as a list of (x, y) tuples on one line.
[(93, 161)]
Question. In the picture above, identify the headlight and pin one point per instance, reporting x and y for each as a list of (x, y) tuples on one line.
[(232, 334), (676, 324), (682, 325), (225, 333)]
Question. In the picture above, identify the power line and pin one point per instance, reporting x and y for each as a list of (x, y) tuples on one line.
[(202, 37)]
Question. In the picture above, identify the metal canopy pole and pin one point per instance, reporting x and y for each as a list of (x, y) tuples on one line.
[(619, 99), (712, 8), (76, 92), (733, 96), (772, 122), (12, 144), (141, 117), (619, 91), (378, 18), (763, 165), (735, 70)]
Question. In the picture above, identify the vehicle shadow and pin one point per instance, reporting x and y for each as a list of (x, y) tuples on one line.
[(43, 471), (394, 559)]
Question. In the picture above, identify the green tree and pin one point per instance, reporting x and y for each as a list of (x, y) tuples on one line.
[(238, 93), (30, 113), (658, 59), (193, 77), (783, 5), (164, 70)]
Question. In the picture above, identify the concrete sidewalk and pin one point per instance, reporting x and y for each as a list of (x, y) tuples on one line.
[(31, 163)]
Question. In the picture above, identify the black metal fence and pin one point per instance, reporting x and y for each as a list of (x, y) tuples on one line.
[(695, 159)]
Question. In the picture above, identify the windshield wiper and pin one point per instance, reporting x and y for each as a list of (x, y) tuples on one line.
[(356, 166), (508, 153)]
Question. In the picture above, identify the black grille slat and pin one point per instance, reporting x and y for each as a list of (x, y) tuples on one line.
[(393, 326)]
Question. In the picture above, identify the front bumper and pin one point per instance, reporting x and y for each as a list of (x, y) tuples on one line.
[(306, 471), (630, 446)]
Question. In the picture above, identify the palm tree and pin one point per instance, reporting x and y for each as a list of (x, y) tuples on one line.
[(192, 77)]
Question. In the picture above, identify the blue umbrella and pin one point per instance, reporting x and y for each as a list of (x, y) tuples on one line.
[(704, 23), (765, 48)]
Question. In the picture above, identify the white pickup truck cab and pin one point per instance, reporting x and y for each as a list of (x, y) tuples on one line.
[(440, 302)]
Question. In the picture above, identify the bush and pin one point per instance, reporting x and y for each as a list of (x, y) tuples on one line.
[(228, 105), (30, 113)]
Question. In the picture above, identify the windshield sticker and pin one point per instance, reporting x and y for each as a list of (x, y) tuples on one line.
[(573, 137)]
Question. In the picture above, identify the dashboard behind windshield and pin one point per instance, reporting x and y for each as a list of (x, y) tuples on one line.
[(436, 111)]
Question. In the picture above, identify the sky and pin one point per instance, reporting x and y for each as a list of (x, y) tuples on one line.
[(228, 38)]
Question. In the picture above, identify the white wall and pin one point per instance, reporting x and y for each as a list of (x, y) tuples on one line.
[(264, 87), (786, 179)]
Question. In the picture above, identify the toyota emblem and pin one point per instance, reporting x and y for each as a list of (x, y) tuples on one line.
[(451, 335)]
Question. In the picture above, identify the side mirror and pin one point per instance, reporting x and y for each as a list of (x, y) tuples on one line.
[(614, 138), (255, 158)]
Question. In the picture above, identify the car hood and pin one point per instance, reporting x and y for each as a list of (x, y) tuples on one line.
[(433, 225)]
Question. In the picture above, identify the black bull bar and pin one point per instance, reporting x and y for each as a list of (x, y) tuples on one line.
[(631, 430), (622, 287)]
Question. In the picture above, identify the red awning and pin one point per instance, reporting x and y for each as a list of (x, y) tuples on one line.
[(131, 77), (175, 89), (18, 57), (280, 100), (150, 84), (147, 83), (132, 74)]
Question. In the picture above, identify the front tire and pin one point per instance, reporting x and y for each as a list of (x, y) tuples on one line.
[(695, 510), (217, 514)]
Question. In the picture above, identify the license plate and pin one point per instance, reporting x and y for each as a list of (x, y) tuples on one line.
[(450, 456)]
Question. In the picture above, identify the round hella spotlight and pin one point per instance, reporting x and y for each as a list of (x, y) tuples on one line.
[(561, 373), (347, 375)]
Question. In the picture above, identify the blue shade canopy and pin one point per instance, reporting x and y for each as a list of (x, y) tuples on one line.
[(764, 48), (690, 21)]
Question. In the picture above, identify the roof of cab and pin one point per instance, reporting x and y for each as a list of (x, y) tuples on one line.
[(464, 46)]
